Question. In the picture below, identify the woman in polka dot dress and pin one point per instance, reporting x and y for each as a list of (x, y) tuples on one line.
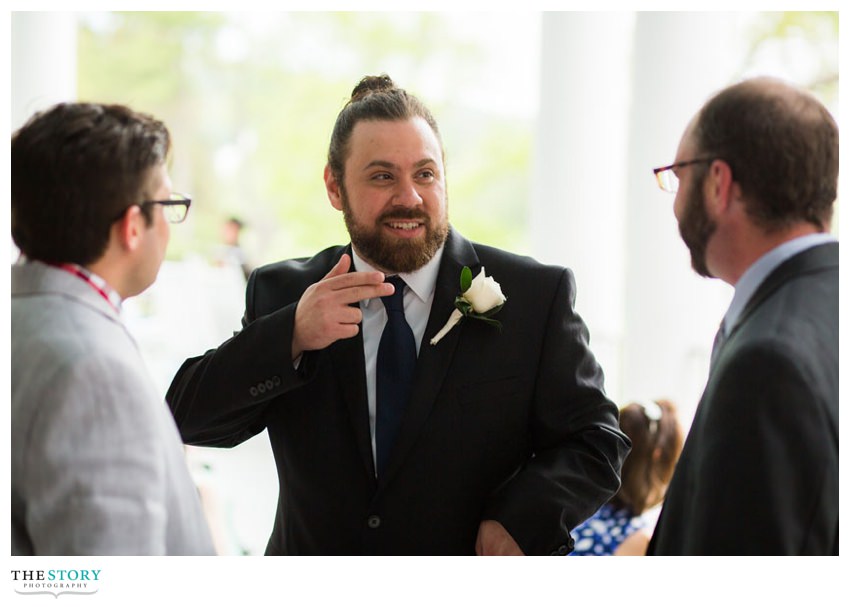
[(623, 526)]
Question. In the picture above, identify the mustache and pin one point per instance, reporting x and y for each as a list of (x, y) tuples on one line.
[(404, 214)]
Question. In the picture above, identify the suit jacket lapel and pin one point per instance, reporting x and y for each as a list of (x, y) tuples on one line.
[(349, 368), (433, 362), (811, 260)]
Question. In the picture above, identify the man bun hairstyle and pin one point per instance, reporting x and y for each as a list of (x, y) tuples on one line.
[(372, 84), (374, 98)]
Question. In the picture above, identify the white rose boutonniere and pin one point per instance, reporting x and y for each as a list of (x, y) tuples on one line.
[(480, 297)]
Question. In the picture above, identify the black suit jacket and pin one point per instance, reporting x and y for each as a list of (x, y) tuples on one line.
[(759, 470), (511, 425)]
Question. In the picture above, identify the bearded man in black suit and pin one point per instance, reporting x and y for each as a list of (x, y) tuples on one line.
[(759, 471), (477, 440)]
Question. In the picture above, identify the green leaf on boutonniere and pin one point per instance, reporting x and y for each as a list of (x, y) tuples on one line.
[(464, 306), (465, 279), (487, 293), (491, 311), (489, 321)]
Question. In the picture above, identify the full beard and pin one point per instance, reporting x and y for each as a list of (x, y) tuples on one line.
[(696, 228), (392, 254)]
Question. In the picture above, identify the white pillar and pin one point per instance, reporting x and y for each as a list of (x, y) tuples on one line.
[(43, 66), (578, 190), (671, 314), (617, 90), (44, 62)]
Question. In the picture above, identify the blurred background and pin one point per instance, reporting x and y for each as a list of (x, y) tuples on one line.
[(551, 122)]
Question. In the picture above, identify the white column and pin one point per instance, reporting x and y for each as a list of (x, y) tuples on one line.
[(617, 90), (578, 190), (43, 66), (44, 62), (671, 314)]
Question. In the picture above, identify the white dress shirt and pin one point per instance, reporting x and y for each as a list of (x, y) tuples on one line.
[(418, 296)]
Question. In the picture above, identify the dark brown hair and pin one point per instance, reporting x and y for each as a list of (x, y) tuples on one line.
[(374, 98), (656, 445), (782, 146), (75, 168)]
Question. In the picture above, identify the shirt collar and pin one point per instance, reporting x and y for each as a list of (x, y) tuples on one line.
[(756, 273), (422, 281)]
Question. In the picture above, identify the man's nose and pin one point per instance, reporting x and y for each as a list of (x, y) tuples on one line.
[(406, 194)]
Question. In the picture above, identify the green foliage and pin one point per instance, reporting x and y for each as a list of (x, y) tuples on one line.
[(251, 99), (801, 40)]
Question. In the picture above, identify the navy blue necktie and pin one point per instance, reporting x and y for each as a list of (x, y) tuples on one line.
[(719, 340), (394, 374)]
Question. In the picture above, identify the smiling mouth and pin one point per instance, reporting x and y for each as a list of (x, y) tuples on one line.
[(403, 225)]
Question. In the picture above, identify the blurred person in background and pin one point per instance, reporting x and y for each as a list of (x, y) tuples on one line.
[(390, 435), (623, 526), (230, 253), (756, 178), (97, 464)]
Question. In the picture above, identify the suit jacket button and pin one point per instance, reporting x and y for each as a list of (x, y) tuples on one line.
[(563, 550), (253, 391), (269, 384), (261, 387), (276, 380), (373, 521)]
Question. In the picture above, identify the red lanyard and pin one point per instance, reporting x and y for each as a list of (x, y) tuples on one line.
[(75, 270)]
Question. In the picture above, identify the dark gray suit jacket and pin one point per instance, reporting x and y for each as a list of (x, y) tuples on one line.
[(759, 470), (511, 425)]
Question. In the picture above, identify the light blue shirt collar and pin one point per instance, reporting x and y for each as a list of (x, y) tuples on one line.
[(761, 269)]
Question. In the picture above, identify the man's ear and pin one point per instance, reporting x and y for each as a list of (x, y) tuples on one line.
[(129, 229), (332, 186), (720, 188)]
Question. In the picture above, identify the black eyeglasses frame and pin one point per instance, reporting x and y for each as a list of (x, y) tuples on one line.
[(177, 199)]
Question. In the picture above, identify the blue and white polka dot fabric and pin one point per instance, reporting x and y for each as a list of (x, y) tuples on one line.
[(602, 533)]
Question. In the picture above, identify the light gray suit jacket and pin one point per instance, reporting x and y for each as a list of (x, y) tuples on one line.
[(97, 464)]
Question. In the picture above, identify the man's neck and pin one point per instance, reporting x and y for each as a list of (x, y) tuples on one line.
[(111, 274), (740, 250)]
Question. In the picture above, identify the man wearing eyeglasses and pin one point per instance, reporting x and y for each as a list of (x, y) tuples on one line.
[(755, 180), (97, 463)]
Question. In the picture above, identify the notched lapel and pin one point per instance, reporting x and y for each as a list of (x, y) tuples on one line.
[(350, 364), (815, 259), (433, 362)]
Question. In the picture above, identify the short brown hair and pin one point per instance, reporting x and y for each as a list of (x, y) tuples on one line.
[(75, 168), (656, 445), (782, 146), (374, 98)]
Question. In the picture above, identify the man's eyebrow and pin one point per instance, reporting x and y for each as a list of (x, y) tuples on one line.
[(389, 165), (380, 163)]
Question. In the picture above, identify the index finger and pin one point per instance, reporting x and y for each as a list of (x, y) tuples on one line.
[(340, 268), (360, 291), (355, 279)]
